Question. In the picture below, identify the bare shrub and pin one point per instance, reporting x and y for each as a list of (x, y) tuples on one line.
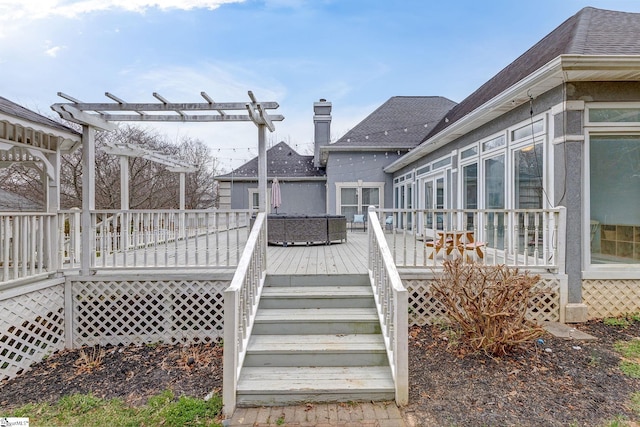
[(90, 359), (489, 304)]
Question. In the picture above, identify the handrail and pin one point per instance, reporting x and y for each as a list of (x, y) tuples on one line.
[(27, 242), (392, 304), (529, 238), (241, 300), (154, 238)]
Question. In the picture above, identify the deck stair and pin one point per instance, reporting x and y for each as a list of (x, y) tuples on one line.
[(315, 339)]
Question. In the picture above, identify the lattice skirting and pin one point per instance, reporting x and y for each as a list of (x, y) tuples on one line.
[(31, 327), (425, 309), (611, 298), (123, 312)]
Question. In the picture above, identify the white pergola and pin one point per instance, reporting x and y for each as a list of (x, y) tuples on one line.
[(100, 116), (126, 150)]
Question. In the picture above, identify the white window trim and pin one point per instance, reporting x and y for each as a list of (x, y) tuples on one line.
[(253, 191), (602, 271), (359, 185), (609, 105)]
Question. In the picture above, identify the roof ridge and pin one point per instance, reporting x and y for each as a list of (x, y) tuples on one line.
[(578, 42)]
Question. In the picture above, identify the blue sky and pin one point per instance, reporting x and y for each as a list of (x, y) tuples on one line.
[(354, 53)]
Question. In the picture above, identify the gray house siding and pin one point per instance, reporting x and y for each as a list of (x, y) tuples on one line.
[(354, 166), (304, 197)]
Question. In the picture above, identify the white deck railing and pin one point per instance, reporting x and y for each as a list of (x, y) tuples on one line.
[(240, 306), (528, 238), (26, 245), (392, 305), (155, 238)]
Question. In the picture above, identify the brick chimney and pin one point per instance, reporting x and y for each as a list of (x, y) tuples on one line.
[(322, 128)]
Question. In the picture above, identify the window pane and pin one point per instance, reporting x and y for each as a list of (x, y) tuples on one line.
[(349, 202), (615, 199), (494, 183), (528, 177), (494, 199), (349, 196), (441, 163), (493, 143), (370, 197), (470, 191), (528, 130), (620, 115), (469, 153)]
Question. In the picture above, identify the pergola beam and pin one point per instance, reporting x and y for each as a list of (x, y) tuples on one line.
[(159, 107), (186, 118), (73, 114), (130, 150)]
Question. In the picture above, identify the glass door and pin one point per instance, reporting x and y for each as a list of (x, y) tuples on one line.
[(434, 201)]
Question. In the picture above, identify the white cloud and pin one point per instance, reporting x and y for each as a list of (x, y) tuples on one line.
[(16, 13), (52, 50)]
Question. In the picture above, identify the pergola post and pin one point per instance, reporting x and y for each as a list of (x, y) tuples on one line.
[(88, 195), (124, 202), (52, 197), (183, 218), (262, 168)]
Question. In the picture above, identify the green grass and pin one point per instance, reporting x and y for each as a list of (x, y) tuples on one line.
[(630, 369), (628, 348), (635, 402), (86, 410), (620, 322)]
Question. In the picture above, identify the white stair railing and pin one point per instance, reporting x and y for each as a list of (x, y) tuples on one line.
[(392, 305), (241, 300)]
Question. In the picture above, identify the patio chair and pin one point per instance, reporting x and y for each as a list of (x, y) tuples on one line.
[(388, 223), (357, 220)]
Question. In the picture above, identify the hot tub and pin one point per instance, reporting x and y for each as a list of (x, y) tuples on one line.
[(300, 228)]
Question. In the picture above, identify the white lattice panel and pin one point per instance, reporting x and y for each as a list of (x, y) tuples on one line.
[(31, 327), (546, 306), (127, 312), (425, 309), (611, 298)]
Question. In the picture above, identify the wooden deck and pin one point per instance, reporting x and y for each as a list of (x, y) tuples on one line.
[(349, 257)]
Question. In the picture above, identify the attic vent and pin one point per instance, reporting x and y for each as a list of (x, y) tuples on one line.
[(289, 153)]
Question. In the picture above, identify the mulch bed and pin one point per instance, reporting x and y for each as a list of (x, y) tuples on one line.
[(573, 383), (576, 383)]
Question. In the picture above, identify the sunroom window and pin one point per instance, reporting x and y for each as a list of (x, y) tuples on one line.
[(614, 162)]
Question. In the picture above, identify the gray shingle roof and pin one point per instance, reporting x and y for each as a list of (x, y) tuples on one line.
[(589, 32), (15, 110), (402, 122), (282, 162)]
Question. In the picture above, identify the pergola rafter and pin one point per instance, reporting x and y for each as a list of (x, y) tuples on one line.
[(209, 111), (100, 116)]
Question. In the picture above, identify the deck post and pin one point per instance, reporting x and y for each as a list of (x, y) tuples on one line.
[(262, 168), (50, 258), (88, 195)]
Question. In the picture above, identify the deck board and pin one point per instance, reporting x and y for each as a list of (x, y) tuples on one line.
[(337, 258)]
